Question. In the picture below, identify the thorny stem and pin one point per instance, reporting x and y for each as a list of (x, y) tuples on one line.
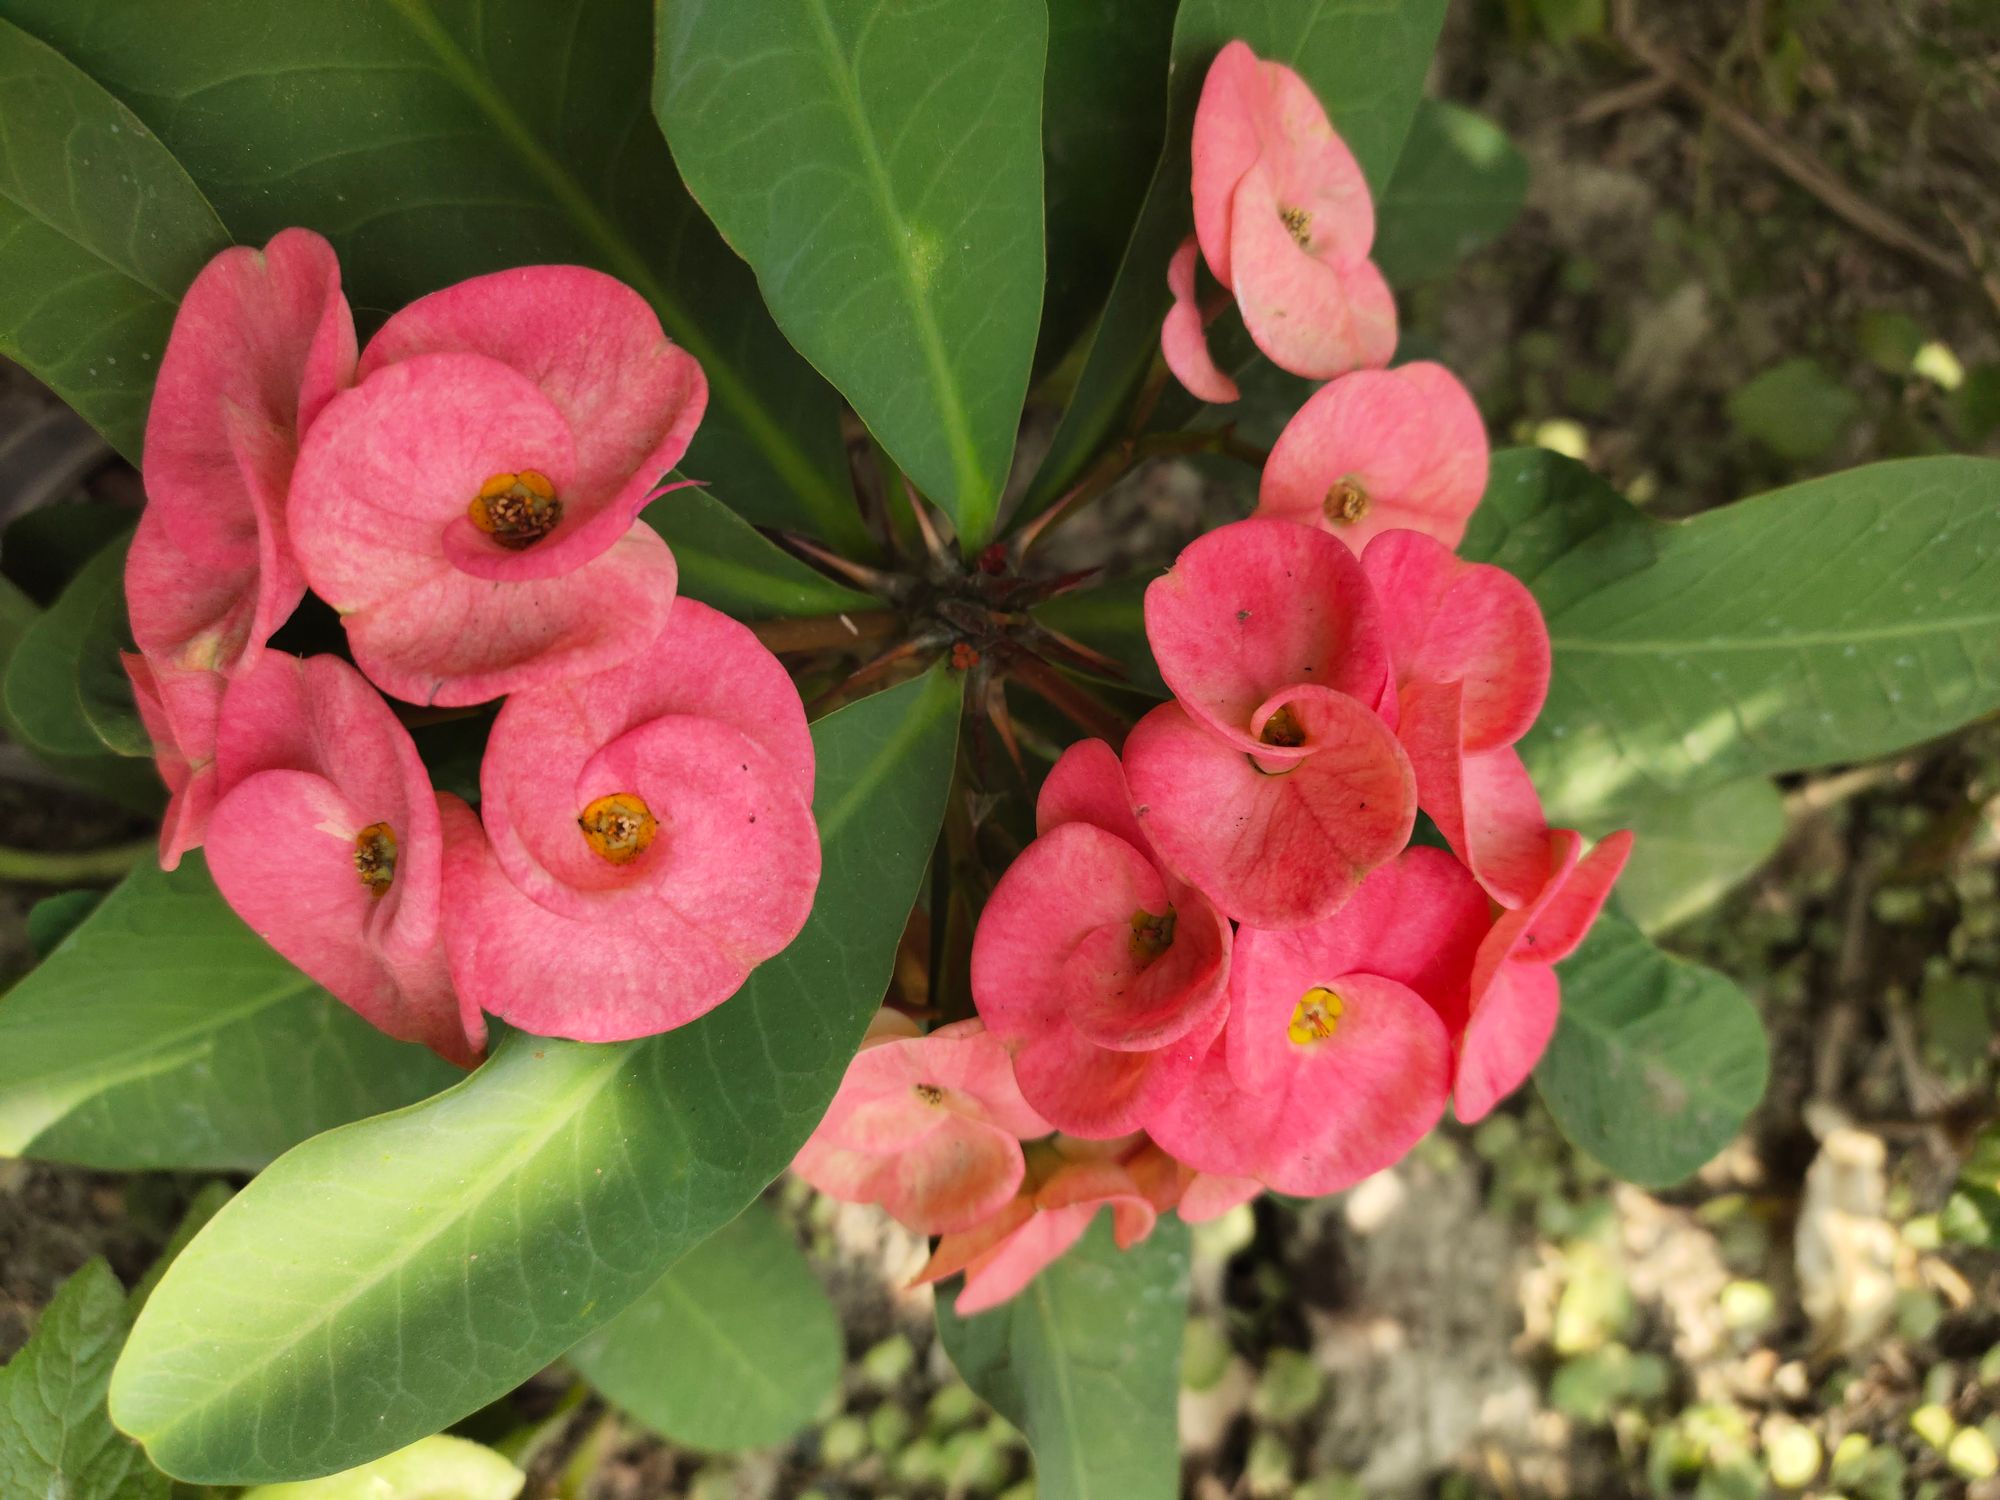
[(819, 632), (1121, 458), (88, 867), (1078, 705)]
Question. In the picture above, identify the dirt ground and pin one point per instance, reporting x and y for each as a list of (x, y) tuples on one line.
[(1733, 188)]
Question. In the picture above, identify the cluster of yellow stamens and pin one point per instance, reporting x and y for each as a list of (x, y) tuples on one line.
[(1316, 1016), (516, 510), (1346, 503), (1151, 935), (1298, 223)]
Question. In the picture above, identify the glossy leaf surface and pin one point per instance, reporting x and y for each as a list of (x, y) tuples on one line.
[(163, 1033), (1086, 1362), (880, 167)]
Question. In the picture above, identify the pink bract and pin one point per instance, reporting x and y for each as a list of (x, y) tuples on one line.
[(630, 398), (436, 612), (1001, 1256), (1274, 839), (1252, 111), (929, 1127), (327, 841), (1320, 1079), (1103, 973), (1482, 802), (1515, 996), (262, 341), (1255, 609), (1184, 337), (648, 838), (1380, 449), (1447, 620)]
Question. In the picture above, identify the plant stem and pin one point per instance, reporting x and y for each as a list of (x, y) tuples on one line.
[(1076, 703), (84, 867), (818, 632)]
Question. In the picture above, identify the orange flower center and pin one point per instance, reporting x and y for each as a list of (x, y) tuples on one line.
[(618, 827), (1151, 935), (1298, 223), (516, 510), (1315, 1017), (1346, 503), (375, 858)]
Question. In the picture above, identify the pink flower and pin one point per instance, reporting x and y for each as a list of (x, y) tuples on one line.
[(1379, 449), (1284, 220), (1514, 995), (326, 841), (1055, 1206), (1335, 1061), (470, 506), (1471, 663), (648, 840), (1272, 785), (1184, 337), (1102, 972), (261, 343), (930, 1127)]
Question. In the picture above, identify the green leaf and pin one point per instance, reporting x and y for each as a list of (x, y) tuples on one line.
[(54, 918), (1656, 1063), (1795, 409), (432, 140), (1693, 847), (100, 233), (1086, 1361), (56, 1440), (65, 689), (163, 1033), (1365, 60), (383, 1280), (437, 1468), (735, 1347), (1103, 116), (1459, 184), (1836, 620), (725, 562), (880, 167)]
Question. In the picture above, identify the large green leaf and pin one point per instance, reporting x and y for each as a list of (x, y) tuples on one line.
[(1460, 182), (100, 233), (163, 1033), (65, 690), (726, 562), (1839, 619), (383, 1280), (1656, 1062), (436, 139), (1693, 846), (735, 1347), (880, 167), (56, 1440), (1086, 1361), (1365, 59), (1103, 114)]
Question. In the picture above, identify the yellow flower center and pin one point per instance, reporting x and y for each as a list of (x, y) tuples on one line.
[(1298, 223), (930, 1093), (1316, 1016), (375, 858), (516, 510), (618, 827), (1346, 503), (1151, 935)]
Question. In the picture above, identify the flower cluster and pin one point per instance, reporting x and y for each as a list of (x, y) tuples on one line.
[(465, 492), (1222, 965)]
